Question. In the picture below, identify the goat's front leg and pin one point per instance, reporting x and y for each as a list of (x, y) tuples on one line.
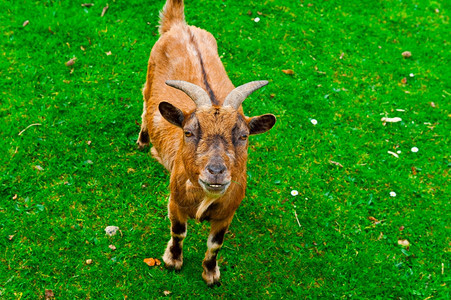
[(215, 239), (173, 256)]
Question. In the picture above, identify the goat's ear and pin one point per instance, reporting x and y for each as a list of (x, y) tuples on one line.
[(261, 123), (171, 113)]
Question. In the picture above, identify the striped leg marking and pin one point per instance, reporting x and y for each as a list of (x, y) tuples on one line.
[(173, 256), (211, 272)]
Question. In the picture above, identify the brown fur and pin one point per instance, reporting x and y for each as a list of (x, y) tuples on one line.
[(217, 136)]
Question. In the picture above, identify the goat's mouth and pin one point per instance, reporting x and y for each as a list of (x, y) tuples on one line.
[(214, 188)]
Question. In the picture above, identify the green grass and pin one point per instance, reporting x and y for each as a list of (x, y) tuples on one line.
[(63, 181)]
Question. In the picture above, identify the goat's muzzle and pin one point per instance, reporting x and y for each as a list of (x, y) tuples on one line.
[(215, 179)]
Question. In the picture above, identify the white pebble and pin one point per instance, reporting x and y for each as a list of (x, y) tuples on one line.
[(111, 230)]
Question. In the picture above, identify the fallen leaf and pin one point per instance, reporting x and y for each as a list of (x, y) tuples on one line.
[(49, 294), (104, 10), (89, 143), (39, 168), (10, 237), (342, 55), (401, 228), (404, 80), (381, 236), (272, 96), (167, 292), (150, 262), (373, 219), (112, 247), (406, 54), (15, 197), (71, 62), (87, 4), (288, 72), (414, 171), (50, 30), (249, 12), (432, 104), (157, 262), (131, 170), (89, 261), (404, 243), (82, 48), (108, 53), (25, 23), (259, 13)]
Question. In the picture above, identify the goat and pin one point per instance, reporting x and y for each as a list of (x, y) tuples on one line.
[(193, 117)]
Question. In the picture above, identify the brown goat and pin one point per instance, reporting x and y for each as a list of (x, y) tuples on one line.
[(194, 120)]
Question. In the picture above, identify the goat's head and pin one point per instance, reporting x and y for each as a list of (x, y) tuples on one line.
[(215, 142)]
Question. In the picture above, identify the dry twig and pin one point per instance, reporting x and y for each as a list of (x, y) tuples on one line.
[(36, 124), (296, 215)]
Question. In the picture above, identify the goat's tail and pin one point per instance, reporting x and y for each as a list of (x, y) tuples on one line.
[(172, 13)]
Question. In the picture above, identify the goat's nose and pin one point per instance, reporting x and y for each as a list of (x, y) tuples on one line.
[(216, 169)]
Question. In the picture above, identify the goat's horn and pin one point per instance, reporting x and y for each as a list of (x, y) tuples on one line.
[(198, 94), (239, 94)]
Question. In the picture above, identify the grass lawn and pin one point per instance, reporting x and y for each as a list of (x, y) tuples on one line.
[(345, 235)]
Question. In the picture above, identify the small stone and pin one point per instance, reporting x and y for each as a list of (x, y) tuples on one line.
[(406, 54), (404, 243), (49, 294), (111, 230)]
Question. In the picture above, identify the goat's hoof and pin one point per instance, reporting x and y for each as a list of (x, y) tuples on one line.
[(212, 277), (172, 264), (176, 265)]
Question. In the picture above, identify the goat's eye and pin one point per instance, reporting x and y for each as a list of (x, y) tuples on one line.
[(243, 137), (188, 133)]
